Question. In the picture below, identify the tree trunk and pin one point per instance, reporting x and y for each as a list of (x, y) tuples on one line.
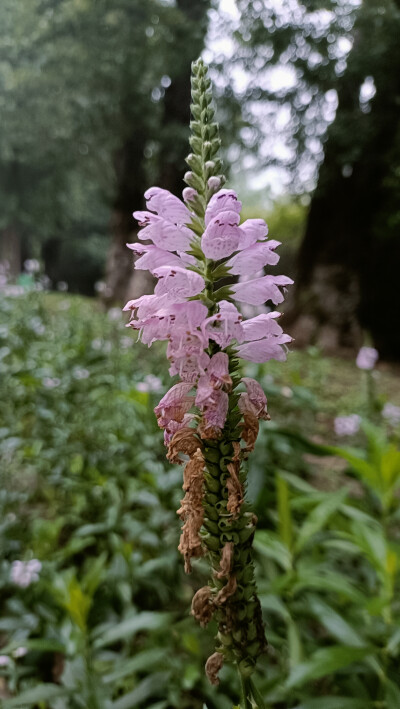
[(10, 251), (339, 281)]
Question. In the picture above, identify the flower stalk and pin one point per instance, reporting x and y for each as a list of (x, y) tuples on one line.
[(210, 424)]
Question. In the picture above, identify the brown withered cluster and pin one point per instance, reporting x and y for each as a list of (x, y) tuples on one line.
[(216, 524)]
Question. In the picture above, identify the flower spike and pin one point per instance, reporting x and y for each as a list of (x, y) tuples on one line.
[(210, 424)]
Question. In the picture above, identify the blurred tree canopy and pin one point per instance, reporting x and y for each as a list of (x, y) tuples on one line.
[(94, 105), (336, 59)]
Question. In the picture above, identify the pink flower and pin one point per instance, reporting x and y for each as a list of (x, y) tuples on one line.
[(367, 358), (178, 283), (174, 404), (253, 258), (391, 413), (223, 201), (263, 350), (259, 290), (167, 206), (251, 231), (225, 326), (163, 233), (153, 257), (214, 408), (262, 325), (222, 236), (347, 425)]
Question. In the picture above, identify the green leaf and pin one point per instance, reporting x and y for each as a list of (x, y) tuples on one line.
[(150, 686), (328, 581), (142, 661), (324, 662), (334, 623), (268, 544), (334, 703), (129, 627), (319, 516), (40, 693), (284, 517)]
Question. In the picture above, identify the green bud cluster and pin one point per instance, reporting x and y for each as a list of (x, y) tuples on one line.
[(205, 166)]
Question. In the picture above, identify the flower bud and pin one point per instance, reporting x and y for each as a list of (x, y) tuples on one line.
[(213, 183), (189, 194)]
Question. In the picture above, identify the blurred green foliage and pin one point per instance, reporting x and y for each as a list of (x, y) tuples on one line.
[(86, 489)]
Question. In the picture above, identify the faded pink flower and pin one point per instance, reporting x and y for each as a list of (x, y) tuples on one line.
[(347, 425), (253, 258), (224, 326), (254, 400), (367, 358), (174, 404)]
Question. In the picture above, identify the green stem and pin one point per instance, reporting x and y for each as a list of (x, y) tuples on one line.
[(257, 696), (245, 683)]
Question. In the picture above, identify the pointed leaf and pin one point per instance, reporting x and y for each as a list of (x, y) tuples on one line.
[(324, 662)]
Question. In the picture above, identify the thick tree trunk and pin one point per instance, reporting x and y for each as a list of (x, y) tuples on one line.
[(336, 294), (10, 250)]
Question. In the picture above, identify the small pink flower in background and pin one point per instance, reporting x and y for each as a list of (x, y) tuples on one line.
[(4, 660), (150, 383), (20, 652), (391, 413), (23, 573), (367, 358), (347, 425)]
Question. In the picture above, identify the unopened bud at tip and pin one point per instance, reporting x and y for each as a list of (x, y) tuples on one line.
[(214, 183)]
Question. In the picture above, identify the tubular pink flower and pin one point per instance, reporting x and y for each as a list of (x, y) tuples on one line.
[(222, 236), (152, 257), (167, 206), (254, 257), (223, 201), (178, 283), (260, 290), (224, 326)]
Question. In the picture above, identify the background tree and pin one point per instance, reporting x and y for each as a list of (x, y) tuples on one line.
[(351, 245), (87, 95)]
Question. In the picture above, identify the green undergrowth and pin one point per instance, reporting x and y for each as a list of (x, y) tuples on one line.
[(86, 489)]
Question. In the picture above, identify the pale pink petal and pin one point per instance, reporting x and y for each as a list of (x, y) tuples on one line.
[(189, 367), (178, 282), (224, 326), (218, 369), (167, 205), (264, 350), (189, 315), (222, 201), (261, 326), (221, 238), (251, 231), (253, 258), (260, 290), (166, 235), (154, 258), (215, 409)]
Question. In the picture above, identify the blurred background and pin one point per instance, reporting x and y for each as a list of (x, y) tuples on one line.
[(94, 108)]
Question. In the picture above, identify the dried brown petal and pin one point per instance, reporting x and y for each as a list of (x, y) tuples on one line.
[(208, 432), (225, 566), (213, 666), (202, 606), (226, 591), (183, 441), (191, 510), (250, 431), (235, 489)]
